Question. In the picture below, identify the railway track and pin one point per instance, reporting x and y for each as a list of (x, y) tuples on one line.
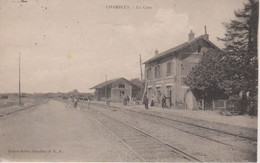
[(145, 146), (197, 126), (218, 136), (205, 133)]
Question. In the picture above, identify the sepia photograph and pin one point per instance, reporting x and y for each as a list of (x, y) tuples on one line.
[(128, 80)]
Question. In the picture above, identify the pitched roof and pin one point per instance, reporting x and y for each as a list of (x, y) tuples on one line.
[(179, 48), (101, 85)]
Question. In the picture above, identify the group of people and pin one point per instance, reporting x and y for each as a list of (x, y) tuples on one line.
[(73, 102), (126, 100), (146, 102)]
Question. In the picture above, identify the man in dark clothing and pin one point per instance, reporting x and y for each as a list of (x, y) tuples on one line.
[(146, 102), (108, 102), (152, 102), (163, 102), (127, 99), (75, 102)]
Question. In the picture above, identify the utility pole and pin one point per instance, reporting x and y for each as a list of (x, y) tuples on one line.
[(20, 102), (142, 89), (141, 68), (141, 77), (106, 87)]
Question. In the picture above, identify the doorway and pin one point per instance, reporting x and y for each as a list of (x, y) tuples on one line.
[(158, 95), (169, 95), (189, 100)]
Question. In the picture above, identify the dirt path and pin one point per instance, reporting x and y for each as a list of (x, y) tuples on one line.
[(52, 132)]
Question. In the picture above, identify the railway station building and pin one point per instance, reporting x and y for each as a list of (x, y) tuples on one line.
[(165, 72), (116, 90)]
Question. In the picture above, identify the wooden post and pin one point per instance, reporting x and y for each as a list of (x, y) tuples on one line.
[(203, 104), (144, 91), (176, 82), (20, 101), (141, 68), (130, 91), (106, 87)]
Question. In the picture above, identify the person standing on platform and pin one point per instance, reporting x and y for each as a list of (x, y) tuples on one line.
[(70, 101), (146, 102), (108, 102), (88, 103), (152, 102), (75, 103), (163, 102), (127, 100)]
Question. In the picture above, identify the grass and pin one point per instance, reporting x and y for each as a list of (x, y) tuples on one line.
[(13, 101)]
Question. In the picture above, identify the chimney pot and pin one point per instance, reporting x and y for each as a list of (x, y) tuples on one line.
[(156, 52), (191, 35), (206, 35)]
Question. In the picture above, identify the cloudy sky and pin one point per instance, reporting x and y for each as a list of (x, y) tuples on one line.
[(73, 44)]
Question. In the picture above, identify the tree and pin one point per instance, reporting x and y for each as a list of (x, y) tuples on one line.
[(136, 81), (241, 46), (234, 70), (141, 85), (241, 33), (206, 77)]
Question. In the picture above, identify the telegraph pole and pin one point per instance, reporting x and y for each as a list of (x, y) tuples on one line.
[(141, 68), (142, 92), (20, 102), (106, 87)]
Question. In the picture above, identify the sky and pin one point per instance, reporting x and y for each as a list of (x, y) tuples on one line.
[(73, 44)]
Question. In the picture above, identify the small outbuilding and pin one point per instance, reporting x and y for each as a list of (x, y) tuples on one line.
[(116, 90)]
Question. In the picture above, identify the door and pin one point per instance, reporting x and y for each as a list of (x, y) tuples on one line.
[(169, 95), (189, 100), (158, 95), (122, 95)]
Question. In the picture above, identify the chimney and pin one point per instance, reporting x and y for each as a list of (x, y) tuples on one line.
[(156, 52), (191, 35), (206, 36)]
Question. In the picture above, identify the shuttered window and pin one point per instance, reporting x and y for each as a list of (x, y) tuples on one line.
[(169, 68), (157, 71), (121, 85), (149, 73)]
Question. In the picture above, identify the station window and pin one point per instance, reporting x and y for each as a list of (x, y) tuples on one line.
[(169, 68), (157, 71), (199, 48), (149, 73), (121, 85)]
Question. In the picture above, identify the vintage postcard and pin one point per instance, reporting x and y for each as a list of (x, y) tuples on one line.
[(128, 80)]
